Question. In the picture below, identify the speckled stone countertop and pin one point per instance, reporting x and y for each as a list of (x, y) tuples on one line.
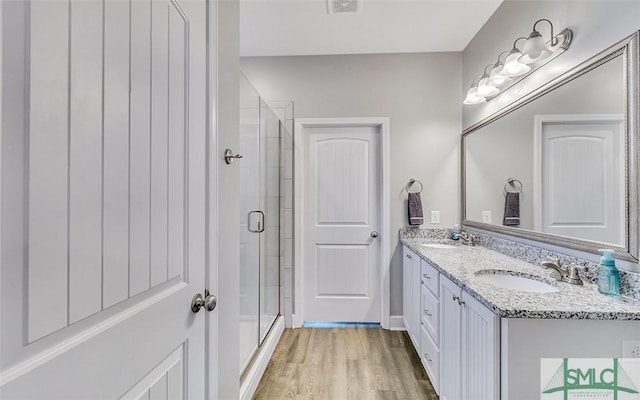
[(461, 263)]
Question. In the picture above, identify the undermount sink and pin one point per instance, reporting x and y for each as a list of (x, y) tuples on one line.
[(521, 283), (439, 246)]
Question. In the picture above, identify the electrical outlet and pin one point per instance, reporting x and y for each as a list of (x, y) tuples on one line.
[(631, 349), (435, 217), (486, 217)]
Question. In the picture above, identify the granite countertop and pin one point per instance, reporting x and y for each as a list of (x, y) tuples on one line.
[(460, 264)]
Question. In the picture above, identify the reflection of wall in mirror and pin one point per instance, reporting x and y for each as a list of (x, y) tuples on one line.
[(505, 148)]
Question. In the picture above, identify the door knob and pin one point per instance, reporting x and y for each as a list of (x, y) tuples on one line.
[(209, 302), (374, 234)]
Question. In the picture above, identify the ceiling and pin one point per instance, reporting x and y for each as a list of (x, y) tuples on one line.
[(304, 27)]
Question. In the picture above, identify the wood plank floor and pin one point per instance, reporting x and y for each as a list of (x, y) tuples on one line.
[(344, 363)]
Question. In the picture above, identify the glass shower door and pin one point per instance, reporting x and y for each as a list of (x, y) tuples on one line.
[(249, 202), (270, 203), (259, 220)]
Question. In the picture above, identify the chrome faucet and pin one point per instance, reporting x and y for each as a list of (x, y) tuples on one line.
[(568, 275), (466, 238)]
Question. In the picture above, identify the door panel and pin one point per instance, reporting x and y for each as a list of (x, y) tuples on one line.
[(116, 154), (350, 262), (85, 159), (163, 382), (140, 156), (110, 245), (480, 348), (342, 181), (48, 181), (582, 157), (341, 265)]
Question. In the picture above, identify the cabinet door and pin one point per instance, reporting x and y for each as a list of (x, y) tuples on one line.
[(407, 269), (450, 335), (480, 347)]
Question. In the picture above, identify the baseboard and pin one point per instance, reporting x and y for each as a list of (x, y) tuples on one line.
[(396, 323), (256, 370), (296, 322)]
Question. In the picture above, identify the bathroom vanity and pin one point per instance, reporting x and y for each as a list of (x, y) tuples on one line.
[(481, 321)]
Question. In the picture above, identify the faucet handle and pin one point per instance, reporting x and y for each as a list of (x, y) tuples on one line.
[(573, 269), (554, 260), (573, 275)]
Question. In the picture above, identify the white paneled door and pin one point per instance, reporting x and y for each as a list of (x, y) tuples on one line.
[(342, 215), (580, 174), (103, 199)]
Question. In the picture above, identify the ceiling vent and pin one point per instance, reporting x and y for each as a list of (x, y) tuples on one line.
[(343, 6)]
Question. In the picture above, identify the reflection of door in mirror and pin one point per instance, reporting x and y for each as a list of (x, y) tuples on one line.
[(579, 176)]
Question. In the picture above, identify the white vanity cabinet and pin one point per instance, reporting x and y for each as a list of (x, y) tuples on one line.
[(411, 295), (430, 322), (421, 307), (469, 346)]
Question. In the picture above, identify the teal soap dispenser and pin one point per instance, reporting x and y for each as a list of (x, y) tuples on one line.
[(608, 275)]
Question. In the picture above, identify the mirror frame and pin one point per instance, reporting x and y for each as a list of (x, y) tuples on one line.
[(630, 51)]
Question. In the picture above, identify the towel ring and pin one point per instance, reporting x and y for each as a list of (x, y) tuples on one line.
[(411, 182), (511, 183)]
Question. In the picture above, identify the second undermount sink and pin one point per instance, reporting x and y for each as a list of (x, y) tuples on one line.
[(522, 283), (439, 246)]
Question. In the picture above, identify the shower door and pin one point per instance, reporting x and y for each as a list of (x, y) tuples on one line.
[(259, 221)]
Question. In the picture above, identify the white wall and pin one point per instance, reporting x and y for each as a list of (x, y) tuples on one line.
[(420, 93), (596, 25)]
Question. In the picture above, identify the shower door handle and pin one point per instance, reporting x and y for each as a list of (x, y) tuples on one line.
[(260, 221)]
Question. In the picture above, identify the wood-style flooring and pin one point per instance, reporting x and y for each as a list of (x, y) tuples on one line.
[(344, 363)]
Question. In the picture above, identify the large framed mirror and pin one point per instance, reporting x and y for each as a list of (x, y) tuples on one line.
[(560, 165)]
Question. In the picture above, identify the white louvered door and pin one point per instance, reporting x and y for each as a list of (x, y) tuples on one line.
[(103, 199)]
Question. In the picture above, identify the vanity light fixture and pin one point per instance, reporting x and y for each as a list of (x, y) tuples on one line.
[(472, 94), (518, 64), (535, 48), (512, 65), (495, 77), (486, 88)]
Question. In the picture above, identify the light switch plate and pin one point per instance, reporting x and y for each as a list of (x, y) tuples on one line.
[(435, 217), (486, 217), (631, 349)]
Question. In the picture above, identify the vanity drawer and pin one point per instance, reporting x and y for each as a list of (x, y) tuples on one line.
[(430, 357), (429, 312), (429, 277)]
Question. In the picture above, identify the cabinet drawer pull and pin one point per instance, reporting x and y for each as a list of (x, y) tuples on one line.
[(461, 302), (426, 356), (456, 298), (426, 276), (409, 256), (427, 313)]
